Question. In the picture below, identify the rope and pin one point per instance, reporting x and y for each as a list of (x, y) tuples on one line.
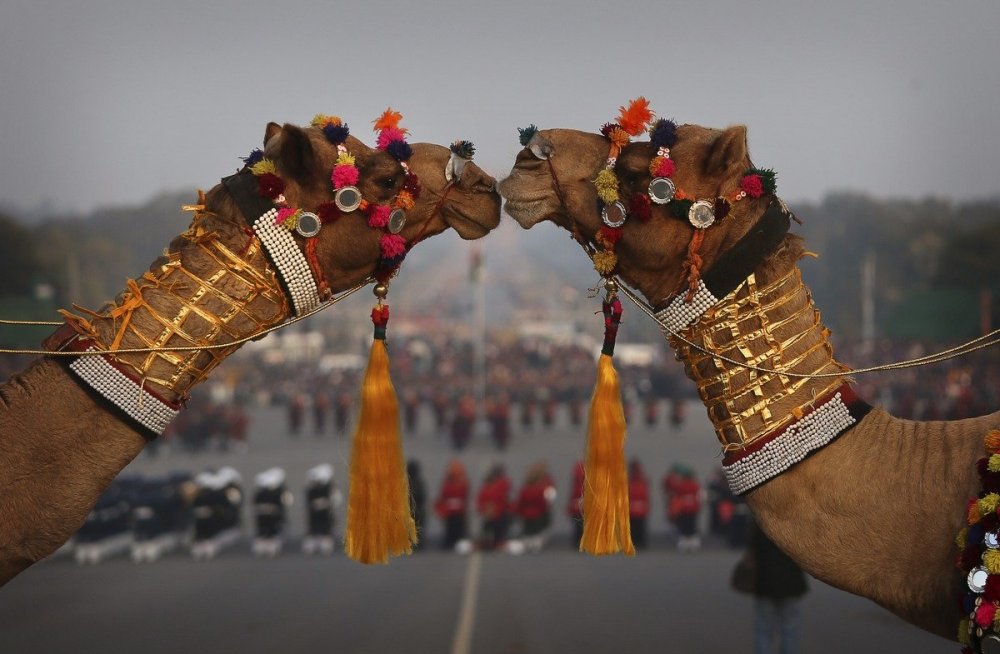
[(30, 322), (190, 348), (981, 343)]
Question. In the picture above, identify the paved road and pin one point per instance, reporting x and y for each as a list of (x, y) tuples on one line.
[(434, 602)]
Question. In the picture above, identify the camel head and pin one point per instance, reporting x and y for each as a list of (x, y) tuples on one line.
[(560, 176), (426, 187)]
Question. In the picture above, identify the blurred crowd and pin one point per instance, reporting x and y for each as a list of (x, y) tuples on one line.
[(153, 515)]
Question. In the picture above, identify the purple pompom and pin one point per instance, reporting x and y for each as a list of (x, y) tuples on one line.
[(336, 134), (663, 134), (255, 155), (400, 150)]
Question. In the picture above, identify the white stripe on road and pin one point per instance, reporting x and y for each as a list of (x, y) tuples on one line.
[(462, 643)]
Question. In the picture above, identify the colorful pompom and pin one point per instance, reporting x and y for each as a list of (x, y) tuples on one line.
[(605, 262), (412, 185), (336, 134), (399, 150), (344, 175), (392, 246), (322, 120), (404, 200), (988, 504), (607, 128), (972, 514), (752, 186), (607, 185), (464, 149), (768, 178), (639, 206), (993, 441), (634, 117), (255, 155), (991, 560), (270, 185), (663, 134), (662, 167), (985, 613), (607, 237), (328, 212), (992, 591), (722, 208), (264, 167), (389, 120), (525, 134), (345, 158), (960, 538), (287, 217), (378, 216), (387, 136), (619, 137), (993, 463)]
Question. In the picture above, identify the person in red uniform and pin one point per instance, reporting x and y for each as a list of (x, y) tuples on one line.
[(534, 506), (452, 504), (638, 503), (493, 505), (574, 507), (683, 498)]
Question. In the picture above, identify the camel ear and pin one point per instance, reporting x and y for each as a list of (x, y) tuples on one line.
[(295, 152), (727, 156), (272, 130)]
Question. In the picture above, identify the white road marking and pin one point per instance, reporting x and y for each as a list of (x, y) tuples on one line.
[(462, 642)]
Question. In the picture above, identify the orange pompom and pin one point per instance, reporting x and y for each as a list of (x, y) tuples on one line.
[(993, 441), (636, 116), (389, 120)]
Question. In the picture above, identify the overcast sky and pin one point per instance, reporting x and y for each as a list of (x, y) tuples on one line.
[(110, 102)]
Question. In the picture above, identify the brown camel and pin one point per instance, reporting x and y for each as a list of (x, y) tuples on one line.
[(60, 447), (876, 511)]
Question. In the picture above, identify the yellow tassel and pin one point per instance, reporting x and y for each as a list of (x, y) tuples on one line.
[(605, 492), (379, 523)]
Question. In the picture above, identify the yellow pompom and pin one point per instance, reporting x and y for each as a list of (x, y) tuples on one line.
[(993, 465), (963, 632), (988, 504), (962, 538), (991, 559), (607, 186), (322, 120), (264, 166), (993, 441), (345, 158), (605, 262), (996, 621)]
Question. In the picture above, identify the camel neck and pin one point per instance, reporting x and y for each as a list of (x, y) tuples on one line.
[(214, 286), (768, 322)]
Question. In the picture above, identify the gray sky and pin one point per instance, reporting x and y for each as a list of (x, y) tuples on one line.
[(110, 102)]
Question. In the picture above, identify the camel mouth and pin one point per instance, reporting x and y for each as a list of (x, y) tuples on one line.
[(524, 202), (475, 222)]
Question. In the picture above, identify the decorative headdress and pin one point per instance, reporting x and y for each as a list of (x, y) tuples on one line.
[(379, 521)]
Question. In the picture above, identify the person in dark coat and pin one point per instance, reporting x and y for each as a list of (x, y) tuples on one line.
[(418, 499), (779, 587)]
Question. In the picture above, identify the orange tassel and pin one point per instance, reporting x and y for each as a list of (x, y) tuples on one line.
[(379, 523), (606, 527)]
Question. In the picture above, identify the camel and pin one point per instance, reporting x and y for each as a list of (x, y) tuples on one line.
[(875, 511), (60, 444)]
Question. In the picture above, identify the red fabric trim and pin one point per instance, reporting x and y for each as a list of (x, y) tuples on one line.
[(84, 344), (847, 396)]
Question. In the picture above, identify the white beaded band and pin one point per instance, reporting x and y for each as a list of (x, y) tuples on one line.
[(122, 391), (290, 262), (790, 446), (679, 314)]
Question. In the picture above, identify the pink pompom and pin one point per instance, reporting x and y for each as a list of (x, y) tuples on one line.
[(378, 215), (344, 175), (387, 136), (752, 186), (985, 614), (393, 246), (284, 214), (666, 168)]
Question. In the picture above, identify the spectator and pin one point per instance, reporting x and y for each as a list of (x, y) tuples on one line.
[(493, 505), (683, 497), (452, 504), (534, 506), (638, 503), (778, 589)]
